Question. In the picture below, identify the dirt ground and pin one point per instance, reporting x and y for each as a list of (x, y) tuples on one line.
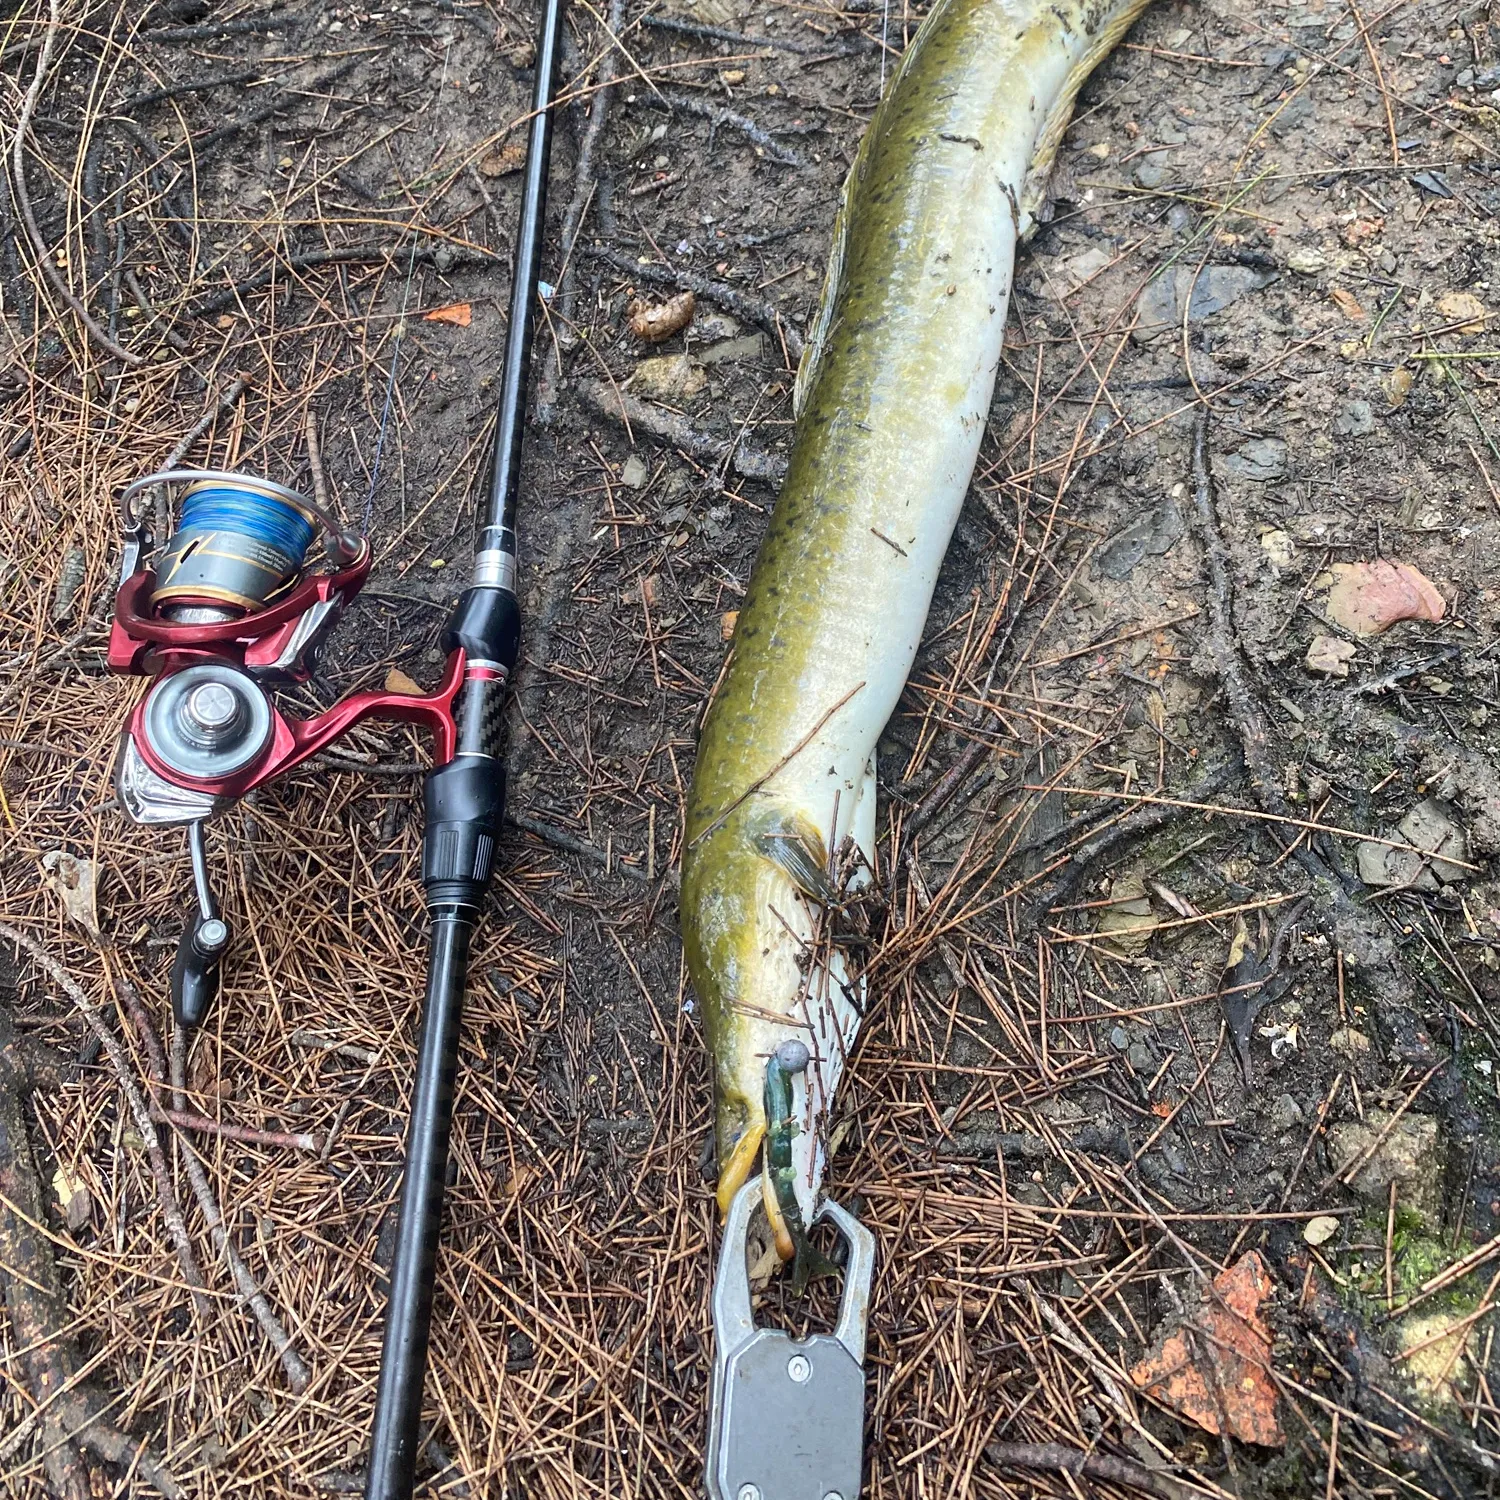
[(1125, 824)]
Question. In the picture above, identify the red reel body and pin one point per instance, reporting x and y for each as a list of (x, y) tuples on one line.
[(208, 731)]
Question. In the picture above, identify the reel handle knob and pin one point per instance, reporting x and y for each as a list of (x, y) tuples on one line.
[(195, 970)]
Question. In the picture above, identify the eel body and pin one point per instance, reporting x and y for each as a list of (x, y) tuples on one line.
[(892, 398)]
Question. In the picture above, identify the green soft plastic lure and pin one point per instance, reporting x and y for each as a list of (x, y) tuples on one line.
[(892, 397)]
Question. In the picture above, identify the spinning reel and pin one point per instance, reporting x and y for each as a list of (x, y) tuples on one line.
[(229, 607)]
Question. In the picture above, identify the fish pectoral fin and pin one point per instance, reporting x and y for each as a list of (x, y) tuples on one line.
[(797, 849)]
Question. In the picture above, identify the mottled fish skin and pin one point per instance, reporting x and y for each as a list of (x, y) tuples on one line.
[(893, 394)]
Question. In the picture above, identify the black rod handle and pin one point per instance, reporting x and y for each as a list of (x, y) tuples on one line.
[(403, 1359)]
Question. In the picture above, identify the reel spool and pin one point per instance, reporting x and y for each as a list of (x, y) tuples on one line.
[(237, 547)]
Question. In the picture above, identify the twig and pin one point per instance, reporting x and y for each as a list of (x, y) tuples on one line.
[(669, 427), (1057, 1459), (240, 26), (445, 256), (583, 192), (184, 1120), (297, 1374), (717, 115), (28, 217), (170, 1210), (753, 309), (315, 459), (227, 397), (744, 39)]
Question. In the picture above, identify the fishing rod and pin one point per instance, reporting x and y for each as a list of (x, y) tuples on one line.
[(225, 606), (464, 801)]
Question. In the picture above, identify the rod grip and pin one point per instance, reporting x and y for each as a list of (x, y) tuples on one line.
[(403, 1358)]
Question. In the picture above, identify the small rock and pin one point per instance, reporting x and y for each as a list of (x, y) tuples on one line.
[(1354, 419), (1213, 289), (1138, 1054), (1280, 549), (748, 346), (670, 379), (1382, 865), (1153, 534), (1367, 598), (1261, 459), (1438, 1363), (1119, 1039), (1128, 921), (1349, 1043), (1408, 1155), (1320, 1230), (1078, 269), (1463, 308), (72, 1198), (1306, 260), (635, 473), (1152, 169), (1431, 827), (1286, 1114), (1330, 656)]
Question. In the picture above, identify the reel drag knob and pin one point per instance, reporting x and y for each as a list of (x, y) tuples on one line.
[(207, 722)]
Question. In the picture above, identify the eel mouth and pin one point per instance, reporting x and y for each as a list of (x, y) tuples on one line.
[(735, 1172)]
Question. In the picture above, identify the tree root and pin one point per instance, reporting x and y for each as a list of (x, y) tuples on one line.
[(667, 427), (1366, 947)]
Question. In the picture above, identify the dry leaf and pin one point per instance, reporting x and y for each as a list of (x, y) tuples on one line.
[(1369, 597), (509, 158), (396, 681), (1348, 305), (1463, 308), (1220, 1361), (655, 321), (74, 880), (1180, 904), (459, 314), (728, 620), (72, 1198)]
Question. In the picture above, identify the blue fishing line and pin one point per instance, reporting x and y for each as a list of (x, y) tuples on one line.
[(263, 518)]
